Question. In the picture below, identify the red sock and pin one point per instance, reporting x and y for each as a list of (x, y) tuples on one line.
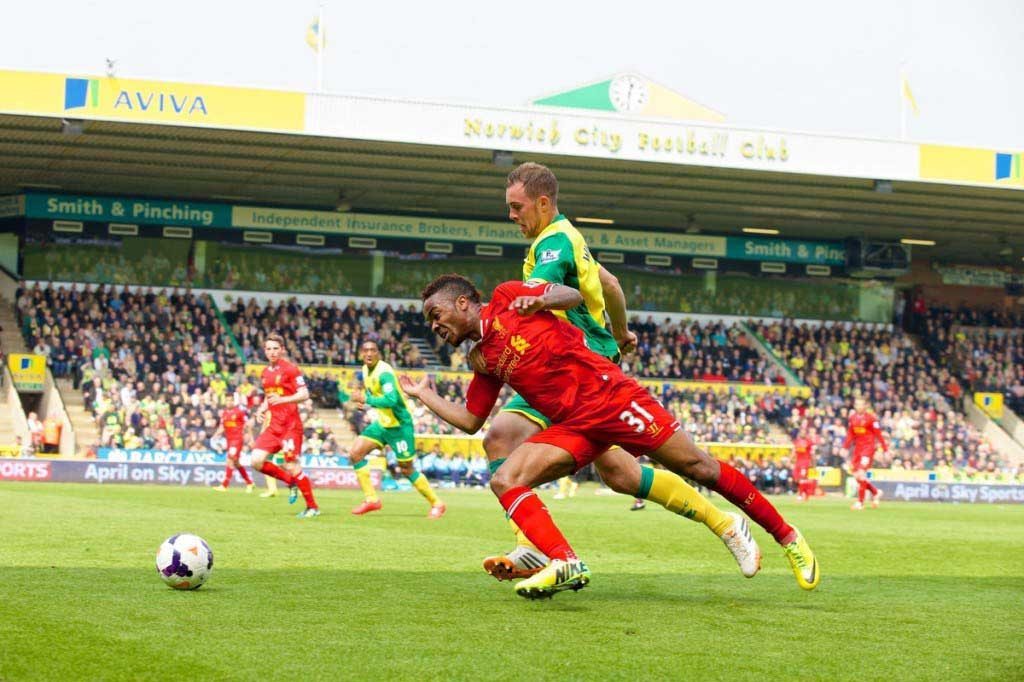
[(271, 469), (227, 475), (870, 487), (861, 489), (306, 488), (524, 507), (734, 486), (244, 473)]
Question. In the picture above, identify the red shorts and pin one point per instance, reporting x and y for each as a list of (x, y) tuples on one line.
[(287, 441), (234, 448), (800, 473), (862, 462), (626, 416)]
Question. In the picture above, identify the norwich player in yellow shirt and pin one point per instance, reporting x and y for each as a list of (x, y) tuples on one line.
[(393, 427)]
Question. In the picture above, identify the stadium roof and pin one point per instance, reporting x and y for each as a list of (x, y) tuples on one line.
[(463, 177)]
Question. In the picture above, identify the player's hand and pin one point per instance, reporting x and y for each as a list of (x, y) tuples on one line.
[(272, 399), (476, 360), (413, 388), (358, 401), (627, 342), (528, 305)]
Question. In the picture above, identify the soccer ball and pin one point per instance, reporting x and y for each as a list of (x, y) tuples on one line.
[(184, 561)]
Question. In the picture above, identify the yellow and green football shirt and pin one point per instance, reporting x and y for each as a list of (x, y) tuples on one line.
[(560, 255), (384, 394)]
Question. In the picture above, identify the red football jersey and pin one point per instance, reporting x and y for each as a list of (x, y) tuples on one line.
[(864, 434), (233, 421), (802, 453), (532, 353), (282, 378)]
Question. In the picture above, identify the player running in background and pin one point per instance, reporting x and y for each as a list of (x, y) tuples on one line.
[(864, 434), (559, 255), (283, 388), (393, 427), (591, 403), (802, 462), (232, 425)]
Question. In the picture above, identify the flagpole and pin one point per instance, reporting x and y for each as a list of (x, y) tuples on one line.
[(903, 103), (320, 50)]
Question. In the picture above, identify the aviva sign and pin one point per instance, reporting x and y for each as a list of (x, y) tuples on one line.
[(145, 101), (85, 92)]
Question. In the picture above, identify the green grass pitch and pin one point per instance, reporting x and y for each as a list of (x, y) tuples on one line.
[(909, 591)]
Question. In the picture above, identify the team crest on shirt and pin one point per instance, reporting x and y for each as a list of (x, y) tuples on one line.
[(549, 255), (519, 343)]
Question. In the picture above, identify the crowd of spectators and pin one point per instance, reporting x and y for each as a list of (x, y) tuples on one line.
[(455, 469), (916, 400), (406, 276), (142, 335), (984, 348), (770, 476), (99, 262), (726, 416), (297, 270), (741, 295), (708, 351), (325, 334), (155, 366)]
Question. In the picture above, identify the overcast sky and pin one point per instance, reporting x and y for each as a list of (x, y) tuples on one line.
[(815, 66)]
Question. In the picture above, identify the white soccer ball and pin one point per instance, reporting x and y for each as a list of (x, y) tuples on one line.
[(184, 561)]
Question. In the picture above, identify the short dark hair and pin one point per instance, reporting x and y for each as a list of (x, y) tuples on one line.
[(538, 180), (453, 284)]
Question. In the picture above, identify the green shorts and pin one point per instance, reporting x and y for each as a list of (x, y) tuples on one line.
[(400, 438), (518, 405)]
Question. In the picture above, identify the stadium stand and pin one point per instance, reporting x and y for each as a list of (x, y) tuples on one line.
[(984, 348), (903, 385), (154, 367), (701, 351), (323, 334)]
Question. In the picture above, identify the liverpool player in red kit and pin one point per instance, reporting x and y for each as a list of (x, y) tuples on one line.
[(591, 405), (863, 434), (283, 388), (232, 425), (802, 461)]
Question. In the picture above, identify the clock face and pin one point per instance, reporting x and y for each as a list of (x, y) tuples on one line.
[(628, 93)]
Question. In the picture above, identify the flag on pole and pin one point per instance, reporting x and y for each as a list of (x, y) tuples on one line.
[(909, 96), (313, 38)]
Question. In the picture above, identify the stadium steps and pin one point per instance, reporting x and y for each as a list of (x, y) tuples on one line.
[(339, 426), (7, 432), (1002, 441), (11, 340), (87, 434), (765, 350), (426, 351), (1013, 425)]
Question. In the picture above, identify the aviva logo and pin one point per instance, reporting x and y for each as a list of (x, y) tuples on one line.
[(132, 96), (1008, 166), (80, 92)]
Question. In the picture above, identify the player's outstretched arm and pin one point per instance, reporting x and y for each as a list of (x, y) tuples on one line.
[(456, 415), (555, 297)]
